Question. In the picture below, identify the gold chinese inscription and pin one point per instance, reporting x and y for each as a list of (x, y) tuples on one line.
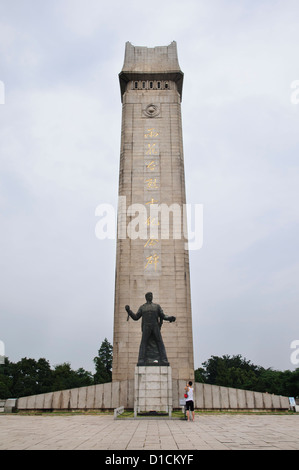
[(151, 242), (152, 165), (152, 221), (151, 133), (152, 256), (152, 201), (152, 183), (152, 259), (151, 149)]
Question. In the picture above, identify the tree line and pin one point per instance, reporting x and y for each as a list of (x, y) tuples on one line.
[(237, 372), (32, 377)]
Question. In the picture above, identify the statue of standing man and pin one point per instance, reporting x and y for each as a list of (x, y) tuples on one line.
[(152, 349)]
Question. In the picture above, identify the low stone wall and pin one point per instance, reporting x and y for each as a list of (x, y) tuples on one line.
[(8, 406), (106, 396), (214, 397), (112, 395)]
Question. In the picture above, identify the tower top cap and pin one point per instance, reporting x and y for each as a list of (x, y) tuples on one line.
[(151, 63), (151, 59)]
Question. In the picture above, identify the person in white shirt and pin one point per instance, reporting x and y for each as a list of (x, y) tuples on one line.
[(189, 401)]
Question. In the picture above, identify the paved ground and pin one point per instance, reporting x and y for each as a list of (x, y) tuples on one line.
[(88, 432)]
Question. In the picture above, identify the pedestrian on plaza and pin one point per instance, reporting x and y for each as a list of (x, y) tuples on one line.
[(189, 401)]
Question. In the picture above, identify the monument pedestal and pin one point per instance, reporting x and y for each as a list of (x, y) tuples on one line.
[(153, 389)]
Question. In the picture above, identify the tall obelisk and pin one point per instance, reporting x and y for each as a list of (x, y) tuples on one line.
[(151, 173)]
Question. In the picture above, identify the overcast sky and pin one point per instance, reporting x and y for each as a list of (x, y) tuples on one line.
[(59, 151)]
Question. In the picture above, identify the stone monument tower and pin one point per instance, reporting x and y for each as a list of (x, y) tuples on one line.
[(152, 253)]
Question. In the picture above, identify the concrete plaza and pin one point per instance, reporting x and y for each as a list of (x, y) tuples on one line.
[(92, 432)]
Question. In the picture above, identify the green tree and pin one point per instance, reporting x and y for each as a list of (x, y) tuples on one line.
[(291, 383), (5, 380), (64, 377), (237, 372), (230, 371), (83, 378), (103, 363), (199, 375), (30, 377)]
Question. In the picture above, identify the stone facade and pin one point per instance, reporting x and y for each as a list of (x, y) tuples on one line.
[(152, 173)]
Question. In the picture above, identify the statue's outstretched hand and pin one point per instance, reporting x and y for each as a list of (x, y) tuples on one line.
[(171, 319)]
